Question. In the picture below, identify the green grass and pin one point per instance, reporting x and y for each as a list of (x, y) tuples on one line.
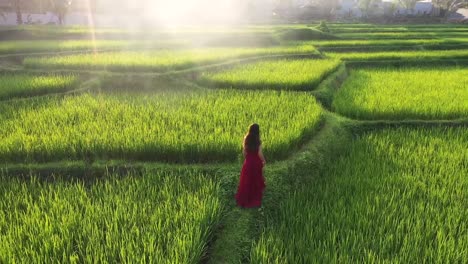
[(20, 85), (236, 236), (304, 74), (396, 196), (156, 217), (400, 55), (183, 126), (406, 93), (159, 60)]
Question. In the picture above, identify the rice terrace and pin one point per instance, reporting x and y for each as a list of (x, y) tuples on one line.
[(124, 145)]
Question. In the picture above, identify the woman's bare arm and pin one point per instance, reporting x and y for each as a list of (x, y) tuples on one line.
[(260, 154)]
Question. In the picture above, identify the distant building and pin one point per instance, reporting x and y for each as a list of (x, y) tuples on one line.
[(4, 4), (424, 7), (349, 8), (461, 16)]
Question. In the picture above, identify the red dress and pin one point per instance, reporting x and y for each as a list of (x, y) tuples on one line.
[(252, 182)]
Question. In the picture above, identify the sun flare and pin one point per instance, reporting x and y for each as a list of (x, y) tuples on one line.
[(204, 11)]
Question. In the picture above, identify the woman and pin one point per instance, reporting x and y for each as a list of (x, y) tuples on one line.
[(252, 183)]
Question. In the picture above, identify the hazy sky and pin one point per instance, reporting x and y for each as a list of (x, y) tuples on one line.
[(165, 10)]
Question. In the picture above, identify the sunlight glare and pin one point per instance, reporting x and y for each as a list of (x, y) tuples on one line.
[(91, 26), (193, 11)]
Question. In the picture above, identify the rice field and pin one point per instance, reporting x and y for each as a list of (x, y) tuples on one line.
[(378, 42), (164, 59), (283, 74), (404, 93), (401, 28), (183, 126), (155, 217), (403, 35), (62, 30), (20, 85), (396, 195), (400, 55), (381, 45), (8, 47), (373, 28), (143, 166)]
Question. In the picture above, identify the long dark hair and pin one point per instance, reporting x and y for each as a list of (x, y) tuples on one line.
[(252, 138)]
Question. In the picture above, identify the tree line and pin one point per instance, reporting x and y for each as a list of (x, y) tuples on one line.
[(58, 7), (327, 8)]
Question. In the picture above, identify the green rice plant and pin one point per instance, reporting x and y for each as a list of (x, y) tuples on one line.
[(389, 48), (254, 39), (63, 29), (160, 217), (395, 196), (402, 35), (304, 34), (398, 29), (381, 45), (405, 93), (401, 27), (20, 85), (375, 42), (156, 33), (400, 55), (7, 47), (174, 126), (284, 74), (387, 42), (159, 60)]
